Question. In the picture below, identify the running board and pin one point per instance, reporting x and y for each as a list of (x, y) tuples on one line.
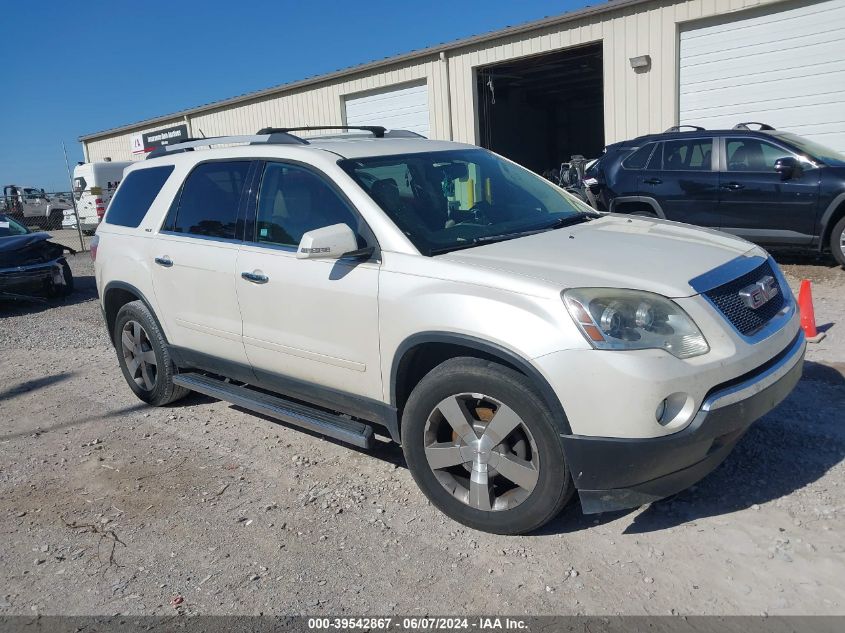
[(316, 420)]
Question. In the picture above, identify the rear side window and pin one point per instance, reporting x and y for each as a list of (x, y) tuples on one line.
[(639, 158), (687, 154), (208, 203), (132, 201)]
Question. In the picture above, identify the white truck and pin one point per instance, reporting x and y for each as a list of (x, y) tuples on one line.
[(93, 186), (31, 206)]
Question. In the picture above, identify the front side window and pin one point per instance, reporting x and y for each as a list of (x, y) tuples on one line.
[(751, 154), (132, 201), (208, 203), (461, 198), (292, 201), (688, 154)]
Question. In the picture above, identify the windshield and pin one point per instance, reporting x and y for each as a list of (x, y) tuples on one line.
[(9, 227), (456, 199), (814, 150)]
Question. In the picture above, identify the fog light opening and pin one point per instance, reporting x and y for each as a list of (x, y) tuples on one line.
[(660, 412)]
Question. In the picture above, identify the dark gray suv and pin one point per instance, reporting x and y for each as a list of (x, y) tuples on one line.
[(770, 187)]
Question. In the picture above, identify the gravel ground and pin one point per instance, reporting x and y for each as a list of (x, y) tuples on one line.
[(109, 506)]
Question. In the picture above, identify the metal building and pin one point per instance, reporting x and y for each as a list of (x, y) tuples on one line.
[(573, 82)]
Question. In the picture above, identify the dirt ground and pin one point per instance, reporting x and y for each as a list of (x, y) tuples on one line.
[(108, 506)]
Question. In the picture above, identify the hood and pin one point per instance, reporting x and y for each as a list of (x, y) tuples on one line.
[(616, 251), (13, 243)]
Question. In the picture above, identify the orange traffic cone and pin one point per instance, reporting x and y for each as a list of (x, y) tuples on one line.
[(808, 315)]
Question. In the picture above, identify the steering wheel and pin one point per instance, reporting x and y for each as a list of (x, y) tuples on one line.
[(479, 212)]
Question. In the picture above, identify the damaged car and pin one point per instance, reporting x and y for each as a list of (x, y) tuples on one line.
[(30, 264)]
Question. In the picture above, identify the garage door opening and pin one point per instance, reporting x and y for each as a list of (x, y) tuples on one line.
[(541, 111)]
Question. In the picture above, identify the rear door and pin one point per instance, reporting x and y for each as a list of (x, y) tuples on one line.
[(194, 256), (756, 203), (680, 175)]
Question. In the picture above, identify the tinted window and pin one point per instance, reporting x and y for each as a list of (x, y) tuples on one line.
[(751, 154), (293, 201), (461, 198), (208, 204), (639, 158), (132, 201), (687, 154)]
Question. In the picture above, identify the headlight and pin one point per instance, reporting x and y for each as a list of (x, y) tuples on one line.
[(611, 318)]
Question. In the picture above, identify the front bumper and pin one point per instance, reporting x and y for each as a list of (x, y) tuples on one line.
[(31, 276), (618, 473)]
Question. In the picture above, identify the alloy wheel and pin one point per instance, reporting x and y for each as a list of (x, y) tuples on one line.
[(138, 355), (481, 452)]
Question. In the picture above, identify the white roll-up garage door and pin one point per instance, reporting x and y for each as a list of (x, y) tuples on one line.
[(785, 67), (403, 108)]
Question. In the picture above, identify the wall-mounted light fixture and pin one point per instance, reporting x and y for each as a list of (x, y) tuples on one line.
[(641, 63)]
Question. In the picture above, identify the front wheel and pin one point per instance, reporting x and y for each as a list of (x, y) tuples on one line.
[(837, 241), (144, 357), (484, 448)]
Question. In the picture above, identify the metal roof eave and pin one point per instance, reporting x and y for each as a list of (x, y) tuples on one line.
[(610, 5)]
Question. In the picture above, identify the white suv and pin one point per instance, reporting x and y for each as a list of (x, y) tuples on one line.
[(519, 346)]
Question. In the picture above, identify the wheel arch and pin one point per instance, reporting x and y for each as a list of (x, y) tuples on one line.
[(420, 353), (116, 295), (834, 212), (642, 201)]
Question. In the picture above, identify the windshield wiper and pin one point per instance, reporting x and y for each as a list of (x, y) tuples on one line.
[(570, 220), (501, 237)]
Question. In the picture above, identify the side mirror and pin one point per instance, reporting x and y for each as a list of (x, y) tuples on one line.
[(788, 167), (329, 242)]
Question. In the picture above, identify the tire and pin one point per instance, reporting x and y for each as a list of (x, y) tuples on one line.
[(152, 378), (837, 241), (54, 220), (534, 445), (67, 288)]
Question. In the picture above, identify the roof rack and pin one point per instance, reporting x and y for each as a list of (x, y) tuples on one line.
[(677, 128), (275, 138), (744, 126), (376, 130)]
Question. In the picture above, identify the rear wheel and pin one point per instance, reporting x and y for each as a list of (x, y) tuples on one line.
[(144, 357), (484, 448), (54, 221), (837, 241)]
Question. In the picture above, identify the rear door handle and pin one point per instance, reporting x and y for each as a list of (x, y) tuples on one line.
[(653, 181), (256, 278), (164, 261), (733, 186)]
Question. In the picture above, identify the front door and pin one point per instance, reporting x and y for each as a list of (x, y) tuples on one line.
[(756, 203), (311, 320), (680, 176), (194, 262)]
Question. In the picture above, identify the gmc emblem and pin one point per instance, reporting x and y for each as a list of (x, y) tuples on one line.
[(758, 294)]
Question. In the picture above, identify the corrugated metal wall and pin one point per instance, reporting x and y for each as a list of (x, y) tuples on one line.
[(634, 103)]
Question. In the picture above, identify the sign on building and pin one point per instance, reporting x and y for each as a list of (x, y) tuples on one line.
[(142, 143)]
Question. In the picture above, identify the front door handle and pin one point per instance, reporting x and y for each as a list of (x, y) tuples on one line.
[(164, 261), (733, 186), (653, 181), (256, 277)]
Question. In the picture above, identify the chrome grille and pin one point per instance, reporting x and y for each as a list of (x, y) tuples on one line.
[(747, 320)]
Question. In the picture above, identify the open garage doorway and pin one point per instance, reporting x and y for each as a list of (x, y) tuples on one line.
[(542, 110)]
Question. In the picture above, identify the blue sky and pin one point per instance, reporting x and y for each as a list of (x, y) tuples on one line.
[(78, 67)]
